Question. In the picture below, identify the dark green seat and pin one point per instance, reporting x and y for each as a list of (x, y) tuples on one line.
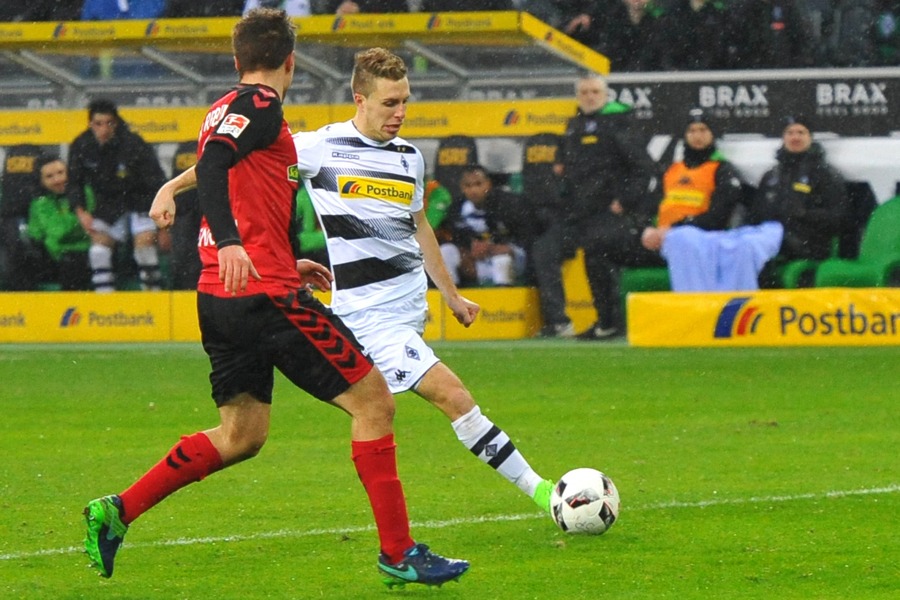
[(878, 264), (644, 279)]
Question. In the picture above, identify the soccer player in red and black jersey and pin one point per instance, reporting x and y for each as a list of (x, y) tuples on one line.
[(256, 315)]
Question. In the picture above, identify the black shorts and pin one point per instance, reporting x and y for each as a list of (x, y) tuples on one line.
[(248, 337)]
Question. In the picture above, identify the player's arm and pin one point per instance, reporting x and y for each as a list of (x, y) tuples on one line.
[(253, 123), (162, 211), (463, 309)]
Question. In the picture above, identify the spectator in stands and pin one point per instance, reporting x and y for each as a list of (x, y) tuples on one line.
[(294, 8), (887, 32), (700, 194), (607, 175), (42, 10), (629, 37), (104, 10), (852, 39), (19, 186), (309, 230), (122, 173), (195, 9), (489, 233), (771, 34), (805, 195), (693, 36), (54, 227), (582, 19)]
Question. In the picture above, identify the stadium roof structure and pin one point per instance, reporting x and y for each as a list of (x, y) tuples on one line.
[(172, 62)]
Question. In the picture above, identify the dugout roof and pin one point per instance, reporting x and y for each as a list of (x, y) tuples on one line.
[(166, 62)]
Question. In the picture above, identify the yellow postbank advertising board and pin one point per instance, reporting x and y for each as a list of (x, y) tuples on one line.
[(85, 317), (807, 317)]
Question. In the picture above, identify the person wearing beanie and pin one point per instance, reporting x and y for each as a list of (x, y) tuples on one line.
[(803, 193), (702, 190)]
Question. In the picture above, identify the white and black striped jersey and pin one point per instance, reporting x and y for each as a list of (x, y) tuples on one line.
[(365, 193)]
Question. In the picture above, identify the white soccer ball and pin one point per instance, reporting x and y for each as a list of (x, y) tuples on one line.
[(584, 501)]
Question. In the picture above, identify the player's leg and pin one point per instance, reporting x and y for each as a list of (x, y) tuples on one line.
[(318, 353), (240, 435), (100, 257), (146, 255), (442, 388)]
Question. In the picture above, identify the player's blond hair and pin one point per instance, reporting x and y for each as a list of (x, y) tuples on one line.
[(372, 64)]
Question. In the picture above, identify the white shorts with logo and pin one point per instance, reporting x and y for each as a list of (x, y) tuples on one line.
[(134, 222), (392, 336)]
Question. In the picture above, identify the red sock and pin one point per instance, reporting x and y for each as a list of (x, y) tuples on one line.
[(376, 464), (190, 460)]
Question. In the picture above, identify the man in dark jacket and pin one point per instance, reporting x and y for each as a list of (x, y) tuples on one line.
[(607, 175), (803, 193), (122, 173)]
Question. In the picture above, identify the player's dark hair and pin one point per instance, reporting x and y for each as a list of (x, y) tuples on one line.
[(372, 64), (263, 40), (103, 106), (471, 169)]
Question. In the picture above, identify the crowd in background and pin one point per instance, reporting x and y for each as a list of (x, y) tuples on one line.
[(637, 35)]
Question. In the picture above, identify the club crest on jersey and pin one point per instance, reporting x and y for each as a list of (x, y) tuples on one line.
[(373, 188), (404, 164), (233, 124), (293, 173)]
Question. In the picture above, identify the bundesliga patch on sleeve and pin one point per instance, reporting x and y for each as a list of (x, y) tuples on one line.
[(233, 125)]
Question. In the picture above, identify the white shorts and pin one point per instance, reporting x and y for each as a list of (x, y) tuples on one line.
[(392, 336), (133, 221)]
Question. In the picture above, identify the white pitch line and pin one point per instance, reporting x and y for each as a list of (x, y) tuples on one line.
[(292, 533)]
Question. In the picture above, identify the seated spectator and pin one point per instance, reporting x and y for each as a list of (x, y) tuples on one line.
[(628, 38), (582, 20), (194, 9), (698, 192), (606, 176), (771, 34), (294, 8), (105, 10), (887, 32), (694, 36), (18, 185), (309, 230), (42, 10), (488, 238), (123, 174), (55, 229), (804, 194), (852, 41)]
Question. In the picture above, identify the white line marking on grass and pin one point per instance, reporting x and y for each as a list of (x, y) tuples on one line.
[(293, 533)]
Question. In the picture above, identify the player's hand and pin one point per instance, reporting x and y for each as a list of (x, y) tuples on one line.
[(314, 275), (162, 211), (652, 238), (235, 269), (463, 309)]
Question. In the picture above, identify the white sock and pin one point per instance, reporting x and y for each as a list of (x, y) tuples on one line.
[(491, 444), (102, 277), (147, 260)]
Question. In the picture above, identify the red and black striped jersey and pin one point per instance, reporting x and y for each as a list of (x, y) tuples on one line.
[(262, 185)]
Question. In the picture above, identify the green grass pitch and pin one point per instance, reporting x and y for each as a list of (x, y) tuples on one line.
[(744, 473)]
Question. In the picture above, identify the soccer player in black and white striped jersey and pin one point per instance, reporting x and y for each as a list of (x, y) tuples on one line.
[(367, 186)]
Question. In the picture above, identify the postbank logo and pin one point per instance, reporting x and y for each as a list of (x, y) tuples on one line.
[(60, 31), (152, 29), (339, 24), (512, 118), (70, 317), (373, 188), (434, 21), (737, 318)]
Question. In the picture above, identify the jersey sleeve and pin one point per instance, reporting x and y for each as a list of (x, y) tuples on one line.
[(418, 201), (310, 147)]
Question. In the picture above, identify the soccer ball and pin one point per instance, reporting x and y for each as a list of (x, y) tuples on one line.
[(584, 501)]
